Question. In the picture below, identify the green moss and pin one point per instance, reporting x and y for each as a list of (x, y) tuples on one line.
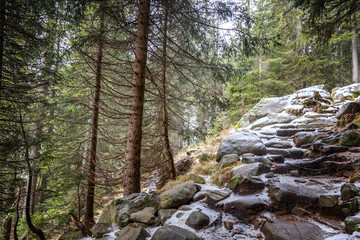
[(234, 181)]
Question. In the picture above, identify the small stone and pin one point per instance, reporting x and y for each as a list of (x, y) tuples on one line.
[(179, 215), (197, 220), (228, 225), (348, 190), (185, 208), (351, 223), (295, 173), (328, 201), (129, 233), (165, 214), (269, 175), (300, 180)]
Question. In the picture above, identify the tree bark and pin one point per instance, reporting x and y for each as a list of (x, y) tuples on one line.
[(35, 230), (167, 149), (89, 208), (2, 37), (133, 145), (355, 61)]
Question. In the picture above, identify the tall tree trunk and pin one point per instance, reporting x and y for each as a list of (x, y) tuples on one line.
[(89, 208), (28, 161), (355, 61), (133, 144), (168, 153)]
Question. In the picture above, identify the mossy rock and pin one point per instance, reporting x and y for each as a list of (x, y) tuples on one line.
[(351, 139), (197, 179)]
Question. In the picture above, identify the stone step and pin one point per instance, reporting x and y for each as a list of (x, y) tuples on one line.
[(291, 131)]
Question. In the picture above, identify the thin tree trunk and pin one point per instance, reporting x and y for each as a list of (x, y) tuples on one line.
[(168, 153), (17, 215), (2, 38), (35, 151), (89, 208), (35, 230), (355, 61), (133, 145)]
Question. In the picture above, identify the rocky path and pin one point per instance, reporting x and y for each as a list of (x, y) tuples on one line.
[(285, 173)]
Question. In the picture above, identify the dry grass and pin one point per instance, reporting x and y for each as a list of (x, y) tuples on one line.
[(204, 168)]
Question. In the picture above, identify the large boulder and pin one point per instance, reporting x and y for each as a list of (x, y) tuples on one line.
[(168, 232), (239, 143), (263, 108), (119, 211), (178, 195), (348, 108), (130, 233), (284, 228), (346, 92), (244, 207), (197, 220)]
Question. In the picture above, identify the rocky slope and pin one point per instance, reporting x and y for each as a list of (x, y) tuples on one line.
[(286, 173)]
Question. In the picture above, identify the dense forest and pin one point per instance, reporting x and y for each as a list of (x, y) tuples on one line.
[(97, 97)]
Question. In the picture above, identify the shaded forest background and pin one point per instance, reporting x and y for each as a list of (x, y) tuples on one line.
[(66, 89)]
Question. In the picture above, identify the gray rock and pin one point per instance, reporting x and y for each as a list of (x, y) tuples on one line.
[(119, 211), (278, 144), (286, 195), (178, 195), (302, 138), (328, 201), (351, 223), (197, 220), (309, 92), (288, 132), (348, 190), (165, 214), (285, 228), (272, 118), (129, 233), (350, 139), (200, 195), (276, 158), (168, 232), (264, 160), (283, 152), (296, 153), (252, 169), (244, 206), (245, 184), (348, 108), (147, 216), (227, 160), (264, 107), (185, 208), (345, 92), (214, 196), (99, 229), (239, 143)]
